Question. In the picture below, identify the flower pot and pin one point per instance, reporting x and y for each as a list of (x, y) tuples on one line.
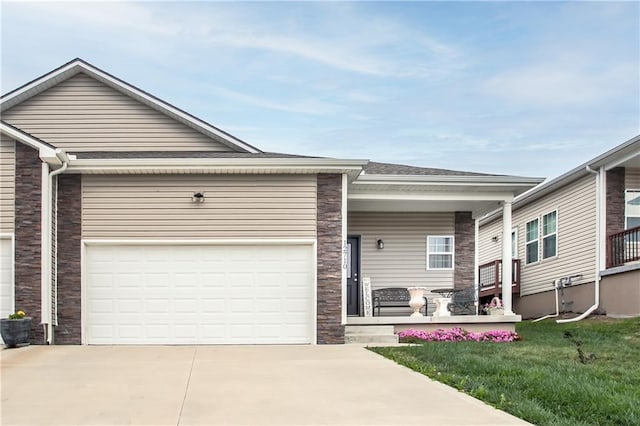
[(15, 331), (496, 311), (417, 300)]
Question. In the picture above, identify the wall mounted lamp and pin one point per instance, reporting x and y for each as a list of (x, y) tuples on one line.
[(380, 244), (494, 238), (198, 197)]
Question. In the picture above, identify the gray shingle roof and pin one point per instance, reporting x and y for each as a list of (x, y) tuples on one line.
[(181, 154), (374, 168)]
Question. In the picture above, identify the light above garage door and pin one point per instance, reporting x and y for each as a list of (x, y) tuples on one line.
[(199, 294)]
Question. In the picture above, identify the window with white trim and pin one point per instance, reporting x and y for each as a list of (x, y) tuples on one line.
[(550, 235), (531, 241), (631, 208), (514, 243), (440, 252)]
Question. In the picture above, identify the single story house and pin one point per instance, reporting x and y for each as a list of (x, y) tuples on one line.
[(576, 240), (126, 220)]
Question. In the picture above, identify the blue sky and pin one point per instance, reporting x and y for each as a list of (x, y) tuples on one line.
[(521, 88)]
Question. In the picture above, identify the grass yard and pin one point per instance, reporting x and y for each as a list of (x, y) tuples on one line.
[(543, 378)]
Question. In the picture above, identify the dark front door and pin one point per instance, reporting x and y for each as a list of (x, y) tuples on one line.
[(353, 275)]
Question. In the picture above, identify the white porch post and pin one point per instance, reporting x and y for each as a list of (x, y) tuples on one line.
[(506, 258), (476, 262)]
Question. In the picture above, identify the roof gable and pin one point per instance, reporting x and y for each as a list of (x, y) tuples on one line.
[(69, 72)]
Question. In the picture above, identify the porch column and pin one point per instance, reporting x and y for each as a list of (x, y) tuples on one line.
[(506, 257), (476, 262)]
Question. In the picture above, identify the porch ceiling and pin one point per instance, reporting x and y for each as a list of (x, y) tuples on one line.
[(478, 208), (479, 195)]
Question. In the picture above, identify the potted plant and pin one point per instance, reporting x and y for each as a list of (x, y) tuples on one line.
[(494, 307), (15, 329)]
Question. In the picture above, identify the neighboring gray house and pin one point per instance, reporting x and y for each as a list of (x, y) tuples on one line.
[(125, 220), (585, 225)]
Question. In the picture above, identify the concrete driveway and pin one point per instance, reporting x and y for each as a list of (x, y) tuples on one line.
[(226, 385)]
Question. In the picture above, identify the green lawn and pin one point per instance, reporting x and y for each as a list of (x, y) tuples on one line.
[(542, 378)]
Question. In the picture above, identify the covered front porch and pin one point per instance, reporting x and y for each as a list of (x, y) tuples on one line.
[(421, 230), (394, 324)]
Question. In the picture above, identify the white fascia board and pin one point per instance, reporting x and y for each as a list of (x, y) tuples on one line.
[(617, 155), (217, 165), (433, 196), (40, 84), (47, 154), (449, 180), (632, 156)]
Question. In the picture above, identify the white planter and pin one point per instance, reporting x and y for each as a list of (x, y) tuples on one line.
[(496, 311), (442, 307), (417, 300)]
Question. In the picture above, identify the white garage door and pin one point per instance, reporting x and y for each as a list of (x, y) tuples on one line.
[(6, 279), (196, 294)]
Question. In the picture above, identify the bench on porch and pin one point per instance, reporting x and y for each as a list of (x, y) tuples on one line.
[(392, 297)]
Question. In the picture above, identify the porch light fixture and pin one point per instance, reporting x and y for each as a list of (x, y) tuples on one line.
[(198, 197), (380, 244), (494, 238)]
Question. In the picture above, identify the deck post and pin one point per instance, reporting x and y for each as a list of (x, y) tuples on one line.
[(506, 258)]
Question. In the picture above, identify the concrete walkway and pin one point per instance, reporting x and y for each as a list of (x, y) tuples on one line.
[(226, 385)]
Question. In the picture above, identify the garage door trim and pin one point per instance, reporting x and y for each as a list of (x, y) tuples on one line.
[(11, 284), (200, 242)]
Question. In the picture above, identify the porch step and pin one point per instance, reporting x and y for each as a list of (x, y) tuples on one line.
[(370, 334)]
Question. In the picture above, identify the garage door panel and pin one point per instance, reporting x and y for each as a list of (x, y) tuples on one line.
[(199, 294)]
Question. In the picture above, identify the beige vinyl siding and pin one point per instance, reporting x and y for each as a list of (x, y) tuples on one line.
[(490, 250), (403, 261), (7, 184), (632, 178), (83, 114), (576, 206), (249, 206)]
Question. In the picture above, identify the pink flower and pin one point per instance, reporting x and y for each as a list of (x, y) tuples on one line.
[(458, 334)]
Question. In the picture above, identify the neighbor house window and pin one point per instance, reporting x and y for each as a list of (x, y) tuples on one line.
[(440, 252), (632, 208), (531, 246), (550, 235)]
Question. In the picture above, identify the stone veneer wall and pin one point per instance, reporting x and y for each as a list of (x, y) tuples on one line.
[(615, 200), (68, 330), (329, 229), (464, 250), (27, 237)]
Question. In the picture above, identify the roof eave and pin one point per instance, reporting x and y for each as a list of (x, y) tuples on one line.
[(449, 179), (218, 165), (608, 160), (47, 153)]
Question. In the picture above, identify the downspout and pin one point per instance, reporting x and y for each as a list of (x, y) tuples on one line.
[(47, 261), (556, 284), (45, 251), (600, 205)]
